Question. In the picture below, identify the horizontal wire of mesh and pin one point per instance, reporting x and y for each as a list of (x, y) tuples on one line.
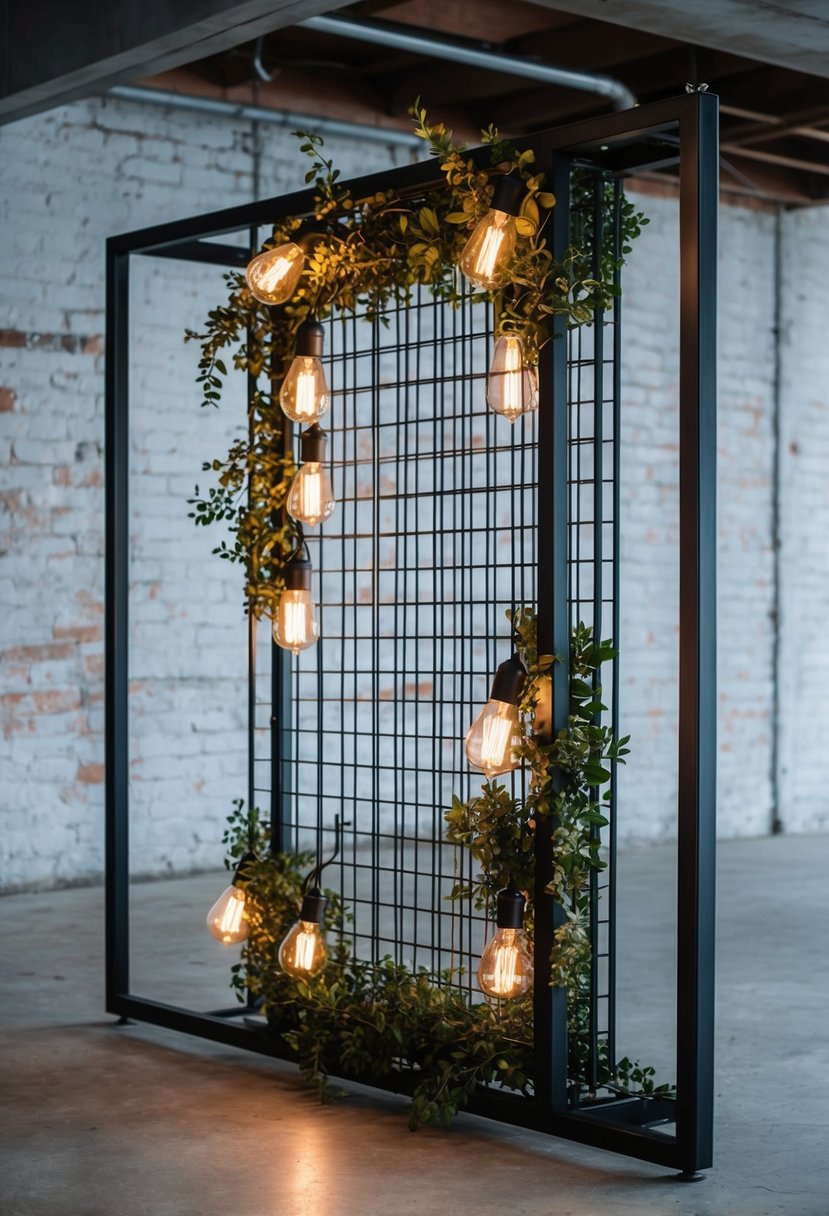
[(432, 542)]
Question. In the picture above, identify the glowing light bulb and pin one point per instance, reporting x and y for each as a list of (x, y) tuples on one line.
[(506, 967), (303, 952), (487, 254), (495, 733), (304, 392), (273, 276), (227, 920), (511, 386), (295, 625), (311, 497)]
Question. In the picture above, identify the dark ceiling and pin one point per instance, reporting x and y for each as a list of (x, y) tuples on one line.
[(775, 121)]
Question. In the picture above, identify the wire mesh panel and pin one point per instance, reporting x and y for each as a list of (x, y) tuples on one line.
[(431, 545)]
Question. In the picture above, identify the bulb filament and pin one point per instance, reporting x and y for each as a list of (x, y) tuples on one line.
[(272, 276), (231, 918), (312, 493), (305, 950), (306, 395), (497, 732), (491, 247), (513, 381), (294, 619), (505, 964)]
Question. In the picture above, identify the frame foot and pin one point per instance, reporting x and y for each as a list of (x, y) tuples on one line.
[(122, 1021), (690, 1176)]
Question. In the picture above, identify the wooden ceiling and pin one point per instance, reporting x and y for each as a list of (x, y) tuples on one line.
[(775, 121)]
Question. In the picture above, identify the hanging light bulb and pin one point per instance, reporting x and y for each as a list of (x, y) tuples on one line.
[(226, 920), (311, 497), (303, 951), (304, 392), (492, 737), (506, 967), (273, 276), (487, 254), (295, 624), (511, 386)]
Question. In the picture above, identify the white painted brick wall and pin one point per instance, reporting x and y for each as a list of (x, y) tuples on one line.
[(82, 172), (70, 179), (650, 560), (804, 519)]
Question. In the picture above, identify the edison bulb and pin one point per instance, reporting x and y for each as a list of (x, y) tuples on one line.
[(492, 738), (226, 920), (311, 497), (487, 254), (511, 386), (295, 625), (506, 967), (273, 276), (303, 951), (304, 392)]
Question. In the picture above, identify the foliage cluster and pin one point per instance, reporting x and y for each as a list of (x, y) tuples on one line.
[(416, 1031), (375, 252)]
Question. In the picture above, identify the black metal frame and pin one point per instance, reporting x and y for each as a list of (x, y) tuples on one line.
[(681, 131)]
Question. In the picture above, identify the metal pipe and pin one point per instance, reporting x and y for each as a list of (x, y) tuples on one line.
[(279, 118), (402, 39)]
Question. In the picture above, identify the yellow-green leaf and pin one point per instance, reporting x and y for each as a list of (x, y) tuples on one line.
[(456, 217), (428, 220), (525, 227)]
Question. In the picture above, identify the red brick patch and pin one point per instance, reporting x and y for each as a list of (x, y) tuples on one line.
[(91, 774)]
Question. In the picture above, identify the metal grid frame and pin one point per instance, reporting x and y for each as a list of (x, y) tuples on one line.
[(682, 130)]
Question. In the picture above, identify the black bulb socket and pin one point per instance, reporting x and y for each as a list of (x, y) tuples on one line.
[(242, 871), (308, 235), (509, 681), (508, 195), (309, 339), (312, 444), (510, 908), (313, 906), (298, 573)]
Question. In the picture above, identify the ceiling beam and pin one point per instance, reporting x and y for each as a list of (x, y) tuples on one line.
[(54, 52), (790, 33)]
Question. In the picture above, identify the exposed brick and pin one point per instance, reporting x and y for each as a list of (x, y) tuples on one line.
[(91, 774), (7, 399), (80, 633)]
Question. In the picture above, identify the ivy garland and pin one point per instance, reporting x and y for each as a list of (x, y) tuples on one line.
[(415, 1030), (378, 250), (384, 1021)]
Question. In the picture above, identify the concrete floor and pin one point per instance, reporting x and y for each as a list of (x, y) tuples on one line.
[(97, 1120)]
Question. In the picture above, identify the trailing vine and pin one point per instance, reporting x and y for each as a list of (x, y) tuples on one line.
[(375, 253), (416, 1030)]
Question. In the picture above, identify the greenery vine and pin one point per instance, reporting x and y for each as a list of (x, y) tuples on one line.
[(375, 252), (416, 1030)]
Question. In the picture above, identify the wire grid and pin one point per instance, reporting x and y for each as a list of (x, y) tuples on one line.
[(432, 542), (593, 400)]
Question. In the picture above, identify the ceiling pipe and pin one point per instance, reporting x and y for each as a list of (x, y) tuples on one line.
[(335, 127), (400, 38)]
